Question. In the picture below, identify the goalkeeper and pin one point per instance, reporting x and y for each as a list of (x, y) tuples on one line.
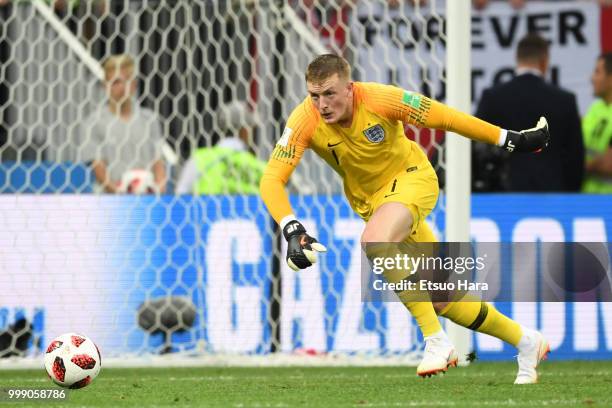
[(357, 128)]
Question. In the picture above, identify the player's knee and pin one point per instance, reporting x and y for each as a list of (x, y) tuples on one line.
[(368, 237), (371, 235)]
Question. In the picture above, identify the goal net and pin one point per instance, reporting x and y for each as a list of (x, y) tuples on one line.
[(188, 274)]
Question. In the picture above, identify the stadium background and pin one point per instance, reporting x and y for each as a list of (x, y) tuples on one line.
[(103, 256)]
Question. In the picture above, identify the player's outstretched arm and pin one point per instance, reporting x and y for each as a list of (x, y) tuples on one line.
[(531, 140), (419, 110)]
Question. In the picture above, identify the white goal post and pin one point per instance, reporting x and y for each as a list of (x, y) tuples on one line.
[(458, 151)]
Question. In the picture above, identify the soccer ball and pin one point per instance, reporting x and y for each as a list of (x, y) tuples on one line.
[(137, 181), (72, 360)]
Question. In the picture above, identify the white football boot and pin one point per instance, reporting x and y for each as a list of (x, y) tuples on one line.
[(532, 348), (439, 355)]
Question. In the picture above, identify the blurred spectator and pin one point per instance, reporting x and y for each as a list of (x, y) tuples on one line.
[(597, 128), (228, 167), (122, 136), (329, 18), (518, 4), (58, 5), (482, 4), (518, 104), (396, 3)]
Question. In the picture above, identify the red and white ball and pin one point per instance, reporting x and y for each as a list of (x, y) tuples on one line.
[(138, 181), (72, 360)]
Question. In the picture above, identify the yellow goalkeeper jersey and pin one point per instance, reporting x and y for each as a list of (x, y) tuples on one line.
[(369, 153)]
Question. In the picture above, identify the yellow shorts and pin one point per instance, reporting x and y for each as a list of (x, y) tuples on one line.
[(416, 188)]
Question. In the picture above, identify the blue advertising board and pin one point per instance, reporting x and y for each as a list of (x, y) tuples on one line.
[(219, 252)]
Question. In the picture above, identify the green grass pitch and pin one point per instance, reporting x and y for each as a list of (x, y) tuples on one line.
[(565, 384)]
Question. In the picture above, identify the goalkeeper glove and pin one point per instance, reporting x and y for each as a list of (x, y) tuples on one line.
[(301, 248), (530, 140)]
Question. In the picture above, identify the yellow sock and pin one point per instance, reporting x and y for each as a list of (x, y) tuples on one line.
[(417, 302), (484, 318), (425, 316)]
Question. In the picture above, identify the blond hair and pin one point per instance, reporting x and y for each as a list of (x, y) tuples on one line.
[(325, 66), (115, 63)]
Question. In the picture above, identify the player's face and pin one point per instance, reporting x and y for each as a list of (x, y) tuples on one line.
[(121, 85), (602, 82), (333, 98)]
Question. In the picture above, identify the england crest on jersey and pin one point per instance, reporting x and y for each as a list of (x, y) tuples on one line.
[(375, 134)]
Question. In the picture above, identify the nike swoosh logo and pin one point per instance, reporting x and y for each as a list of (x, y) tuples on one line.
[(389, 195), (332, 145)]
